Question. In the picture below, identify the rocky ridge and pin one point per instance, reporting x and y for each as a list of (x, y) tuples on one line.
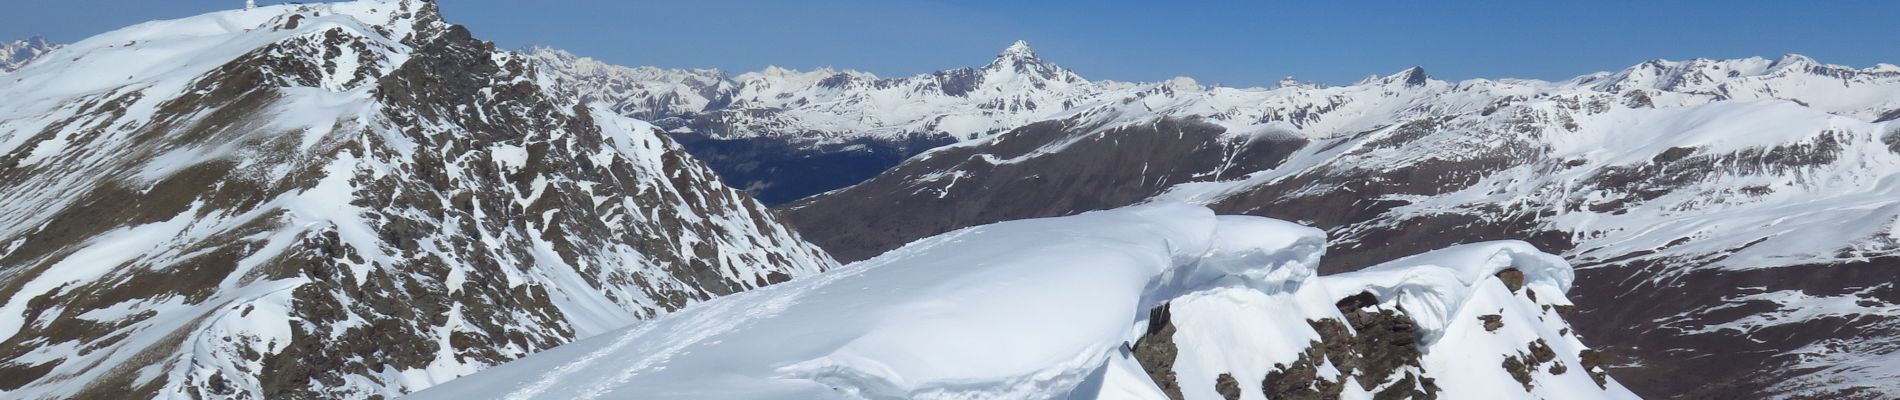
[(1760, 183), (348, 200)]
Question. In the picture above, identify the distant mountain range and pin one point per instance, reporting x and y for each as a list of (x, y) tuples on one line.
[(1763, 183), (16, 54), (784, 135), (349, 200)]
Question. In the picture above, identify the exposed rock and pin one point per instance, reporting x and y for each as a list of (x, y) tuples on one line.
[(1355, 302), (1593, 364), (1512, 279), (1410, 387), (1523, 364), (1519, 370), (1387, 341), (1301, 380), (1228, 388), (1156, 352), (1492, 322)]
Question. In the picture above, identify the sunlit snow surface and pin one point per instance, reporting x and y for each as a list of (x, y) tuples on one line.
[(1039, 309), (127, 110)]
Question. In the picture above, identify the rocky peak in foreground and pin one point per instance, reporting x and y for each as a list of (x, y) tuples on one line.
[(347, 200)]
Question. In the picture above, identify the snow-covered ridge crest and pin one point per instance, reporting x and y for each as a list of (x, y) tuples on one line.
[(829, 105), (1044, 308), (1432, 287)]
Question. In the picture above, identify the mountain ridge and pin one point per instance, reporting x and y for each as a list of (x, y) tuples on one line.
[(336, 200), (18, 53), (781, 133)]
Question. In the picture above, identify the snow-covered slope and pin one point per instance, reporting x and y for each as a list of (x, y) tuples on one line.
[(347, 200), (16, 54), (1765, 185), (1093, 306)]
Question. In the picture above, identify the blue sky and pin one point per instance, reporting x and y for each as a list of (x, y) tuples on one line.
[(1236, 43)]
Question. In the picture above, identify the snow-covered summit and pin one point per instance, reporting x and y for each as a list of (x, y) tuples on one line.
[(816, 118), (1151, 302), (337, 200), (1020, 59)]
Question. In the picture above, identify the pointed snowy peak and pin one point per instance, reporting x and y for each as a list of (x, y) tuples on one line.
[(1019, 58), (1414, 76)]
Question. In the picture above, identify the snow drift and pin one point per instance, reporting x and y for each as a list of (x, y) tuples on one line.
[(339, 200), (1053, 308)]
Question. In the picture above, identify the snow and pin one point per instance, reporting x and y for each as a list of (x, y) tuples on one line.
[(102, 256), (1038, 308), (1433, 286), (16, 54), (1795, 306), (309, 158), (923, 314)]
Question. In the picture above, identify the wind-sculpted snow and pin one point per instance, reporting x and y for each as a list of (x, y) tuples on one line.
[(348, 200), (1050, 308)]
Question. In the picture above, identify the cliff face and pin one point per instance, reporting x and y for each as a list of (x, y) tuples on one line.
[(345, 200)]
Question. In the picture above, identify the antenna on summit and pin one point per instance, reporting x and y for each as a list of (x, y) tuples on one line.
[(250, 4)]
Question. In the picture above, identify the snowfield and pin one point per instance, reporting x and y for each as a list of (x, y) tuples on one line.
[(1048, 308)]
